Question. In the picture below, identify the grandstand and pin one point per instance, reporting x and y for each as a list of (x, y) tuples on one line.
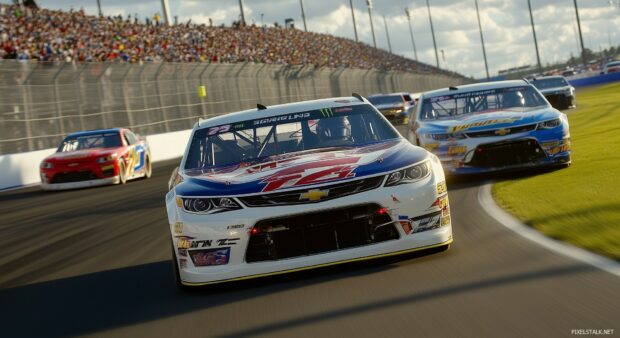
[(31, 33)]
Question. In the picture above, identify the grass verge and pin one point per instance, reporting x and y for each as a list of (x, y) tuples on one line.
[(580, 204)]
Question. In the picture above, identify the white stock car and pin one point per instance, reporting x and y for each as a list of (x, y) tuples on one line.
[(298, 186)]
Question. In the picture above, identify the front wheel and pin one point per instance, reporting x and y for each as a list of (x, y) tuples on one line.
[(122, 173), (177, 274), (148, 168)]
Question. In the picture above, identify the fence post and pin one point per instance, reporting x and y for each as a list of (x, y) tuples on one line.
[(25, 97), (78, 93), (101, 98), (158, 91), (125, 98), (57, 99), (202, 101)]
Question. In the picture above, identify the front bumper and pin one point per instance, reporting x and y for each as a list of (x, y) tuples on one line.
[(80, 184), (561, 100), (547, 148), (228, 234)]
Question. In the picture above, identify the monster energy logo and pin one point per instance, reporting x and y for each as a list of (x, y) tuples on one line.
[(327, 112)]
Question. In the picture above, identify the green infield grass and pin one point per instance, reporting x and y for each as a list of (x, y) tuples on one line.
[(579, 204)]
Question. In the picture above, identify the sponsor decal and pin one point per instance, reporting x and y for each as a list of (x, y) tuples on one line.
[(502, 131), (441, 187), (183, 263), (289, 118), (327, 112), (73, 164), (107, 167), (394, 199), (343, 110), (426, 222), (431, 146), (456, 150), (178, 228), (182, 252), (236, 226), (312, 173), (405, 224), (559, 149), (485, 123), (218, 130), (445, 206), (205, 243), (219, 256), (445, 220), (314, 195), (183, 243), (343, 101)]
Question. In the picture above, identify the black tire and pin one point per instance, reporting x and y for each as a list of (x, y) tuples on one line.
[(147, 167), (444, 247), (122, 173)]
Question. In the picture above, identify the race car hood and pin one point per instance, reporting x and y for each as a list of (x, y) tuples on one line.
[(555, 90), (80, 155), (301, 169), (490, 120)]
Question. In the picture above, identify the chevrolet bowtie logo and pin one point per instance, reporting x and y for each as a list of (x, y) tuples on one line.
[(314, 195), (502, 132)]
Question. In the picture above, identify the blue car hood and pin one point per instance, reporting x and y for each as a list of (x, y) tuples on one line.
[(489, 120)]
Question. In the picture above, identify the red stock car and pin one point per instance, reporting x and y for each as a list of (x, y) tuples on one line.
[(96, 157)]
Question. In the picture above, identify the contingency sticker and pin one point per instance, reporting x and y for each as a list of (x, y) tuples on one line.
[(211, 257)]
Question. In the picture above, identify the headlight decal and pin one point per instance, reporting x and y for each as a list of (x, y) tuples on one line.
[(47, 165), (550, 124), (208, 205), (409, 175)]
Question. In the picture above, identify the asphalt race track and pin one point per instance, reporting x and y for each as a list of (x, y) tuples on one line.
[(96, 262)]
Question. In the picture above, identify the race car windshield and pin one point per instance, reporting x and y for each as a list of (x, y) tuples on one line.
[(550, 83), (80, 142), (457, 105), (388, 99), (251, 141)]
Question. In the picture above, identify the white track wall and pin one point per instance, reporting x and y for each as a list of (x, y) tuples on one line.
[(22, 169)]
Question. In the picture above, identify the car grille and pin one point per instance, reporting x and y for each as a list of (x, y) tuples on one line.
[(502, 131), (75, 176), (319, 232), (505, 154), (296, 196)]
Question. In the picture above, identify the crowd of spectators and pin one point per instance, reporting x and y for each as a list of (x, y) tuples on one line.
[(52, 35)]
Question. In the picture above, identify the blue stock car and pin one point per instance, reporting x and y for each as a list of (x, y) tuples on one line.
[(490, 126)]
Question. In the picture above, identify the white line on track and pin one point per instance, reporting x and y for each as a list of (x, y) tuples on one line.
[(485, 199)]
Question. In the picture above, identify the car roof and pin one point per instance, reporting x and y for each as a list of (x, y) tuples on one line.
[(388, 94), (613, 63), (548, 77), (281, 109), (96, 131), (475, 87)]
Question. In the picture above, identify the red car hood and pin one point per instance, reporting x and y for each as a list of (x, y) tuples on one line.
[(80, 155)]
